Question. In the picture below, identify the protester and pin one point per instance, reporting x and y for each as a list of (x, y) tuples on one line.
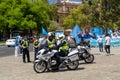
[(107, 44), (16, 46), (25, 47), (100, 43), (36, 46)]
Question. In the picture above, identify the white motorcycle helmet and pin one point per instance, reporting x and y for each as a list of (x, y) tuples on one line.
[(62, 36), (50, 34)]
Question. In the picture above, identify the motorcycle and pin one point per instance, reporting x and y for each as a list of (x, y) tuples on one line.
[(45, 60), (84, 53)]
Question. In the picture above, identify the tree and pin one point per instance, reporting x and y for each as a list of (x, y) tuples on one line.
[(80, 15), (23, 15), (101, 13)]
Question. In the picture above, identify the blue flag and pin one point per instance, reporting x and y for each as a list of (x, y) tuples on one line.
[(109, 31), (75, 31), (44, 32), (97, 31)]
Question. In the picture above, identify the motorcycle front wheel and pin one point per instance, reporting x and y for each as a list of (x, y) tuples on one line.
[(40, 66), (90, 59), (72, 65)]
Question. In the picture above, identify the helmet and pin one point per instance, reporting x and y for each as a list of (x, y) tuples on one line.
[(50, 34), (62, 36)]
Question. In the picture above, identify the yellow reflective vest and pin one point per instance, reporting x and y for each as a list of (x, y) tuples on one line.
[(35, 43), (25, 44), (52, 43), (65, 46)]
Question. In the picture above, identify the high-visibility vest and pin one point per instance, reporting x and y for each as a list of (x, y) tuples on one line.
[(25, 43), (35, 43), (65, 46), (51, 43)]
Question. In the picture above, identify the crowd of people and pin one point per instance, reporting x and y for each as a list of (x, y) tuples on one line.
[(44, 42), (50, 41)]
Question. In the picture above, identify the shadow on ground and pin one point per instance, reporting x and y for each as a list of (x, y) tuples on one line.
[(63, 70)]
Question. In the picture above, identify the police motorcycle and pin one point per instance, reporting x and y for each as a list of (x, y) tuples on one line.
[(85, 52), (46, 61)]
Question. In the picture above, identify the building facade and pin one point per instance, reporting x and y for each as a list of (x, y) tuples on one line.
[(64, 8)]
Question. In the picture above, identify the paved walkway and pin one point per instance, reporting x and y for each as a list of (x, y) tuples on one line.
[(103, 68)]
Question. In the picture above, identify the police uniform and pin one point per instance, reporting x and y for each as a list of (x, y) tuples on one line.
[(63, 48), (36, 46), (25, 50), (52, 43)]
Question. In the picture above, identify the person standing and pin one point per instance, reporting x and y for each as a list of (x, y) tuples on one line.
[(36, 46), (20, 45), (25, 46), (107, 44), (16, 46), (100, 43), (43, 42)]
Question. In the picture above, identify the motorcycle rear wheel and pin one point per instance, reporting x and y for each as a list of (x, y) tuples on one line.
[(40, 66), (73, 65), (90, 59)]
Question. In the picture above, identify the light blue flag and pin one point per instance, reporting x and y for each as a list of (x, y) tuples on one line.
[(109, 31), (75, 31), (44, 32)]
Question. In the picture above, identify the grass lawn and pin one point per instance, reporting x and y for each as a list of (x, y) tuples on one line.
[(2, 42)]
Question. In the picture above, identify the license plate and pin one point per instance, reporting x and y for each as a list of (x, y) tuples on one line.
[(74, 57)]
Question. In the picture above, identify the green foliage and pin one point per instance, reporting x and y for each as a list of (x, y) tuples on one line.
[(25, 14), (53, 12), (78, 16), (101, 13)]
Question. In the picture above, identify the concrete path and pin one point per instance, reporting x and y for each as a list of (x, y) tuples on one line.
[(103, 68)]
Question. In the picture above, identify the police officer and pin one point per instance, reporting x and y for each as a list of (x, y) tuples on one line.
[(25, 46), (36, 46), (64, 45), (51, 40)]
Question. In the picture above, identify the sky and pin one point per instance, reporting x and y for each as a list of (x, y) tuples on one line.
[(54, 1)]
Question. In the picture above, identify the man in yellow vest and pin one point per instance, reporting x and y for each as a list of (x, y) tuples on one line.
[(36, 46), (51, 40), (64, 45), (25, 46)]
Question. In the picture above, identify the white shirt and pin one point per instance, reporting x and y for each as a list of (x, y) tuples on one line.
[(100, 40), (42, 41), (107, 40)]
